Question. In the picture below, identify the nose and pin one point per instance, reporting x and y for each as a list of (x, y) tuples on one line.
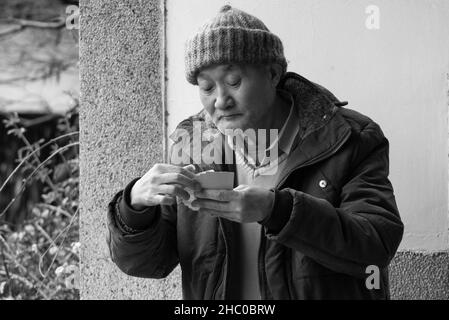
[(223, 100)]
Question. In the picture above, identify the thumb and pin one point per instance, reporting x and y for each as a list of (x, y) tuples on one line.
[(241, 187), (190, 167)]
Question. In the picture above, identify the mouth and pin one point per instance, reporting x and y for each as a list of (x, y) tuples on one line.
[(229, 117)]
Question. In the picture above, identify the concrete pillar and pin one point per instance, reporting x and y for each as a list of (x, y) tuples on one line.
[(121, 56)]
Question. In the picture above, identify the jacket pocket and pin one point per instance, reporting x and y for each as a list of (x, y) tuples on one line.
[(304, 266)]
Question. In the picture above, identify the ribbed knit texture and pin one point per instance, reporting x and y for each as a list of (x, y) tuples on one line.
[(233, 36)]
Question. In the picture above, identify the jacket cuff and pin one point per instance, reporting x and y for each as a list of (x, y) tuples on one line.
[(135, 219), (280, 214)]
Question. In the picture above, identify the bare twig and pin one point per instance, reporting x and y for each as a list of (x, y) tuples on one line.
[(41, 258), (12, 29), (32, 153), (25, 270), (28, 144), (44, 233), (11, 257), (57, 209), (4, 243), (5, 266), (22, 279), (20, 24), (57, 22), (40, 76), (27, 179), (38, 121)]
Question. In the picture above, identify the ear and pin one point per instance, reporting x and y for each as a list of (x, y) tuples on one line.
[(275, 71)]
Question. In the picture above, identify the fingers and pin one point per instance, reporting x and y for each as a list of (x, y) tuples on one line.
[(241, 187), (190, 168), (164, 199), (181, 179), (163, 183), (213, 205), (215, 213), (217, 195), (174, 190), (170, 174), (187, 171)]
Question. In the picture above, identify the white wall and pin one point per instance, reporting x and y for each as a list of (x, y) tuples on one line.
[(397, 75)]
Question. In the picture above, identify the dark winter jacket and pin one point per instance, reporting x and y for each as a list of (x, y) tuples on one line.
[(334, 215)]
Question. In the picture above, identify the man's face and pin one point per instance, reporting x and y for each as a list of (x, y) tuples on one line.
[(237, 96)]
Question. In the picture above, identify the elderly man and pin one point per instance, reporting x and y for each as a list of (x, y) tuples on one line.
[(308, 229)]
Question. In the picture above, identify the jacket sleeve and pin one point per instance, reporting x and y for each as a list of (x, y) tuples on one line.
[(365, 229), (142, 243)]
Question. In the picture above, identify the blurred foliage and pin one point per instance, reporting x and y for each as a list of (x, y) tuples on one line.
[(40, 258), (39, 224)]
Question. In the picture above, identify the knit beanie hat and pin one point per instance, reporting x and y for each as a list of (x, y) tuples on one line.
[(233, 36)]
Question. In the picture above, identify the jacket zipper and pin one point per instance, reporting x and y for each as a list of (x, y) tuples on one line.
[(261, 267), (262, 274), (222, 271)]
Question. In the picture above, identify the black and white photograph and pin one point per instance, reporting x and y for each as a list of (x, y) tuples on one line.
[(224, 150)]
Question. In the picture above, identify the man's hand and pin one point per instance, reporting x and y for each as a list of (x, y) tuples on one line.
[(243, 204), (162, 184)]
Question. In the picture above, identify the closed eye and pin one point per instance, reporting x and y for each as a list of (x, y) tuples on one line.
[(207, 89), (234, 83)]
